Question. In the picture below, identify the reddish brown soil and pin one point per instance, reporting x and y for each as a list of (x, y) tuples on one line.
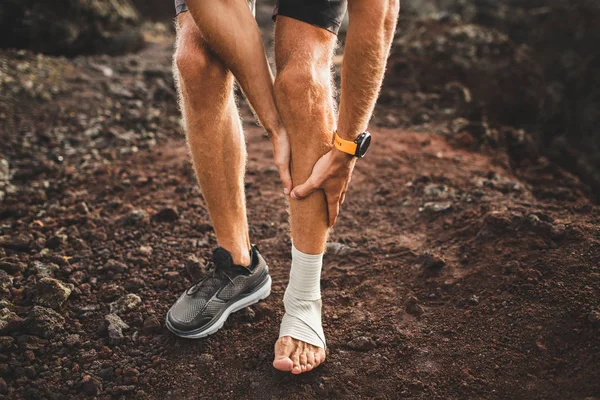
[(496, 297)]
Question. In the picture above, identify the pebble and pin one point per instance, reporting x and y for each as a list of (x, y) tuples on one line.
[(145, 250), (339, 249), (19, 242), (594, 317), (435, 208), (51, 293), (90, 385), (114, 327), (6, 281), (431, 262), (151, 325), (134, 217), (43, 322), (126, 303), (194, 268), (167, 214), (44, 269), (474, 300), (13, 267), (172, 275), (9, 321), (115, 266), (6, 342), (3, 386), (413, 307), (362, 343)]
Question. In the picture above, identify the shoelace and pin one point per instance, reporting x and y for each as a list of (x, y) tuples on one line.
[(207, 282)]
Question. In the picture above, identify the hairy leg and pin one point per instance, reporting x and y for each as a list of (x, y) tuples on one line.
[(304, 95), (214, 135)]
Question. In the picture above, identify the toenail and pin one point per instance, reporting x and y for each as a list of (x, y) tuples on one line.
[(308, 366)]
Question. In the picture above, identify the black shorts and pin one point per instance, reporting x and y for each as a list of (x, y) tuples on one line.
[(326, 14)]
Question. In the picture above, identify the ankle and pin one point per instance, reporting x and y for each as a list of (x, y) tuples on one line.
[(241, 257)]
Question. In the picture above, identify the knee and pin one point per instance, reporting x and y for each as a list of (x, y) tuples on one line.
[(303, 81), (193, 61)]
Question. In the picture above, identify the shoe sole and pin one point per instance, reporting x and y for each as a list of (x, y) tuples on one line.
[(213, 326)]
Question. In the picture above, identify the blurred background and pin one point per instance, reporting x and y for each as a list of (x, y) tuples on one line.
[(485, 67)]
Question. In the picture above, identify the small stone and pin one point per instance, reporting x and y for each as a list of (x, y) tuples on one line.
[(474, 300), (115, 266), (431, 262), (124, 304), (43, 322), (54, 242), (51, 293), (13, 267), (435, 208), (114, 327), (172, 275), (9, 321), (362, 343), (248, 313), (194, 268), (134, 217), (6, 281), (151, 325), (82, 208), (206, 358), (145, 251), (167, 214), (204, 227), (594, 317), (436, 191), (6, 342), (72, 340), (90, 385), (3, 386), (339, 249), (19, 242), (43, 269), (133, 284), (413, 307)]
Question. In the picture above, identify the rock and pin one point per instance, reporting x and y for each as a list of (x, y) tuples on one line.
[(436, 191), (145, 251), (435, 207), (43, 322), (6, 342), (126, 303), (206, 358), (431, 262), (72, 340), (413, 307), (114, 327), (4, 171), (133, 218), (54, 242), (194, 268), (51, 293), (19, 242), (594, 317), (71, 27), (90, 385), (3, 386), (167, 214), (9, 321), (362, 343), (151, 325), (82, 208), (339, 249), (171, 275), (12, 267), (45, 269), (6, 282), (115, 266), (473, 300), (134, 284)]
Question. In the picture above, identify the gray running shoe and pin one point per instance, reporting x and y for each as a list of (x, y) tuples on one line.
[(226, 288)]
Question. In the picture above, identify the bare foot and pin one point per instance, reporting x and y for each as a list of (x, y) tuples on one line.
[(295, 356)]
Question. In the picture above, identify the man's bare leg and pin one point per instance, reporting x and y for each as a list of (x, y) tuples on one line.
[(215, 136), (304, 95)]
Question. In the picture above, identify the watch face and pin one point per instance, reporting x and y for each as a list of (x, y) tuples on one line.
[(363, 142)]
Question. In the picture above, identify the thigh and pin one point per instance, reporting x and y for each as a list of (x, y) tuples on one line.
[(305, 45), (325, 14)]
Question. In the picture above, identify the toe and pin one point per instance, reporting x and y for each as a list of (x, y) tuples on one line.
[(310, 360), (297, 369), (282, 360), (319, 357), (303, 361)]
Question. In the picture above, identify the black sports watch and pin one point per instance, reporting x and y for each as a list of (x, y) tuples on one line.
[(357, 148)]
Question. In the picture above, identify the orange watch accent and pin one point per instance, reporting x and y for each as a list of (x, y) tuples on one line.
[(343, 145)]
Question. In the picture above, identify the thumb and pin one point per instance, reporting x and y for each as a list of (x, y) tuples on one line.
[(303, 190)]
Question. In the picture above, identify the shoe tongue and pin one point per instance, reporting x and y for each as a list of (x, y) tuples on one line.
[(222, 258)]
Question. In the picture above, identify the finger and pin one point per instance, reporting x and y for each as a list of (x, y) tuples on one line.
[(303, 190), (333, 209), (285, 176)]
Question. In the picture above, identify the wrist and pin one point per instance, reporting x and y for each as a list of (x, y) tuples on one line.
[(340, 156)]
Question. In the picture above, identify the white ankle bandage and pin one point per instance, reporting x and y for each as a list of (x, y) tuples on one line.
[(302, 300)]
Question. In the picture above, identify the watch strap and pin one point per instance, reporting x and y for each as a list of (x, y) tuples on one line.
[(343, 145)]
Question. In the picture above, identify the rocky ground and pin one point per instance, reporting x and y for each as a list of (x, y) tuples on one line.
[(464, 265)]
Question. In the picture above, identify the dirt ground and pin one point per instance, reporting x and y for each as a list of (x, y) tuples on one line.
[(450, 274)]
